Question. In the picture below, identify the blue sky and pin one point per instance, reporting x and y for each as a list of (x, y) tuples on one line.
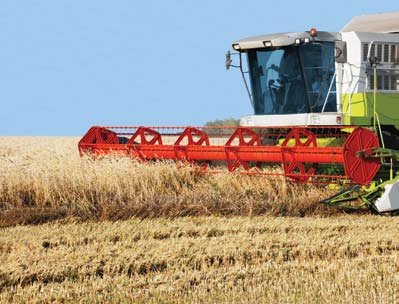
[(66, 65)]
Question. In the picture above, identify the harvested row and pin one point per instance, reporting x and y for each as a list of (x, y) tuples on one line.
[(203, 259)]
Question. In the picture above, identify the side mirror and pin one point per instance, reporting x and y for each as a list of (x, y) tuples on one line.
[(373, 61), (228, 60), (340, 53)]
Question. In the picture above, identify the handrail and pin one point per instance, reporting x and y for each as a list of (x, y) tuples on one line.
[(329, 91)]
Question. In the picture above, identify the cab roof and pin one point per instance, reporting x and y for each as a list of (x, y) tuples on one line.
[(282, 39)]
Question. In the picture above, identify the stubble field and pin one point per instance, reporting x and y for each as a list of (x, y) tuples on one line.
[(115, 230)]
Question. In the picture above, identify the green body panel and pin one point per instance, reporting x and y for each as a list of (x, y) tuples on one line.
[(358, 109)]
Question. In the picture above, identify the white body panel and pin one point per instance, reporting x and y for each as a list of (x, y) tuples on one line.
[(352, 76), (305, 119), (389, 201), (376, 23), (349, 74)]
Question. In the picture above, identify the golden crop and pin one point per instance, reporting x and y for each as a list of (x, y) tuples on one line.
[(44, 178)]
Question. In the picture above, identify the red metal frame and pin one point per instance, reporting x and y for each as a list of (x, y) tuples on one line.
[(301, 138), (98, 140), (295, 148), (189, 134), (143, 136), (361, 169), (233, 159)]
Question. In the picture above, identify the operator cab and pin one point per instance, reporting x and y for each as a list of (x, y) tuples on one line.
[(292, 79)]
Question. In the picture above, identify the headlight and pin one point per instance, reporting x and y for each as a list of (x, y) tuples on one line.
[(236, 46), (267, 43)]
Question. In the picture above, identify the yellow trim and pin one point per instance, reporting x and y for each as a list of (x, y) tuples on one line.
[(358, 108)]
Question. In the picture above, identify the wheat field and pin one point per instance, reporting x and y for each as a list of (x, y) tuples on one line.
[(115, 230), (44, 179)]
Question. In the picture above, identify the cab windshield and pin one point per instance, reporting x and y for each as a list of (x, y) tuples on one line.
[(293, 79)]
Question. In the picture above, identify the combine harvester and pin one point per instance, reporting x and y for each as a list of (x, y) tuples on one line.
[(326, 107)]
